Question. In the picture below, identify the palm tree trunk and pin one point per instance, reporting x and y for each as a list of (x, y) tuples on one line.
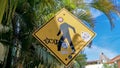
[(16, 49), (16, 52)]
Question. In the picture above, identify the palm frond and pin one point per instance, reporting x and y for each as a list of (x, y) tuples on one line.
[(81, 60), (84, 14), (12, 4), (4, 29), (3, 4), (106, 7)]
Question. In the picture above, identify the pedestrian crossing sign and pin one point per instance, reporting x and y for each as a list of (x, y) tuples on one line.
[(64, 36)]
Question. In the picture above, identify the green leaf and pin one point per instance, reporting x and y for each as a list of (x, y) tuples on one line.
[(3, 4)]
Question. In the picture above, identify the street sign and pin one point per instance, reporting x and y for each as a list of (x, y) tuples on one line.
[(64, 35)]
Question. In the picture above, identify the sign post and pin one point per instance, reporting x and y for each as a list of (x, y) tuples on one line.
[(64, 35)]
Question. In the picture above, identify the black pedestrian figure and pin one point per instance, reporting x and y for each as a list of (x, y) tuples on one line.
[(64, 28)]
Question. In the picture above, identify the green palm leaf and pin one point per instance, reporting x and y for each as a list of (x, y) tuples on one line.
[(106, 7), (3, 4)]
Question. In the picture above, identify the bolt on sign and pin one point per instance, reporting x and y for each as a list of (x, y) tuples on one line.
[(64, 35)]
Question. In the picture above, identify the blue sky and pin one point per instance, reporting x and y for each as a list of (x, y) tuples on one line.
[(106, 40)]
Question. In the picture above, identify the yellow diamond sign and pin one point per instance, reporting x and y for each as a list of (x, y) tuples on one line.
[(64, 35)]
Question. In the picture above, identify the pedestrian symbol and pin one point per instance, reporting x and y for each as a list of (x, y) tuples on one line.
[(64, 29), (64, 35)]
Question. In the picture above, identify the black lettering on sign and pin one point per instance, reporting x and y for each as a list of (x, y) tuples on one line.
[(51, 41)]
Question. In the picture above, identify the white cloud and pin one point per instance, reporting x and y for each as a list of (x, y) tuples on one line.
[(94, 52)]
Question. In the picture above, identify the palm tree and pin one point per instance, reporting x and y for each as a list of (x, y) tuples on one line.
[(20, 18)]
